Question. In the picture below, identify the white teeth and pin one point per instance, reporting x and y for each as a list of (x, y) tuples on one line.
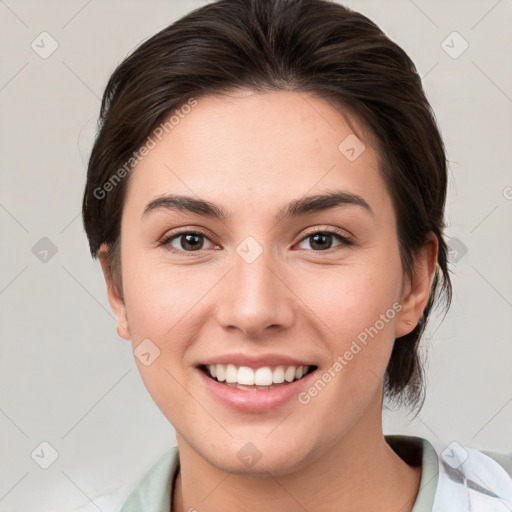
[(264, 376), (221, 372), (289, 374), (245, 376), (278, 375), (231, 373)]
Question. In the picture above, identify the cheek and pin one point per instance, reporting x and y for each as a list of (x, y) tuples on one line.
[(161, 304), (349, 298), (160, 297), (358, 304)]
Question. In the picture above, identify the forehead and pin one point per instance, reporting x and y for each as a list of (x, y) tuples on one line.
[(258, 147)]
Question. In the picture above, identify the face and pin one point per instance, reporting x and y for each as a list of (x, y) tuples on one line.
[(271, 277)]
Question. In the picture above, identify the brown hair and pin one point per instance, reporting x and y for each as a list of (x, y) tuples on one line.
[(313, 46)]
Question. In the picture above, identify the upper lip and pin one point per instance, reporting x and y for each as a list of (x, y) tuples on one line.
[(269, 359)]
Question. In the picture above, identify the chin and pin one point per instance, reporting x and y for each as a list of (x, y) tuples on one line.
[(260, 456)]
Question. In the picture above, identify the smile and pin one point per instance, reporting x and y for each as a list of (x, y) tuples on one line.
[(263, 378)]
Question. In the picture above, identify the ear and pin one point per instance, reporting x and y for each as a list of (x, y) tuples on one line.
[(417, 290), (115, 299)]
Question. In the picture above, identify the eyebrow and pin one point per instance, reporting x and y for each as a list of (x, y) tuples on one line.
[(295, 208)]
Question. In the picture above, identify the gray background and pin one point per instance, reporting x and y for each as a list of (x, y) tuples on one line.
[(65, 376)]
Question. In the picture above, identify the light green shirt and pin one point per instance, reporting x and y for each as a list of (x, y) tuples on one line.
[(153, 494)]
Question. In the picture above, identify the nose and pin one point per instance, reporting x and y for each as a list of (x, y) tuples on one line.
[(256, 297)]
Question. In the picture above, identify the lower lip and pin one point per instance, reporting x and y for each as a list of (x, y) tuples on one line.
[(254, 400)]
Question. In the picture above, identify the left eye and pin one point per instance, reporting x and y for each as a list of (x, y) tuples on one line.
[(323, 239)]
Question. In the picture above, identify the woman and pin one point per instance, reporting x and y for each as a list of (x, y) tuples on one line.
[(266, 197)]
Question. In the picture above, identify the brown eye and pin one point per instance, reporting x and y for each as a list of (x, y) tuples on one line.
[(191, 241), (186, 241), (323, 240)]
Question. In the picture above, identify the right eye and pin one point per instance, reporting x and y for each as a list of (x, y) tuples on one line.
[(185, 242)]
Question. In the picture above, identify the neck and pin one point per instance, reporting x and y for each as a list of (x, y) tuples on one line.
[(360, 472)]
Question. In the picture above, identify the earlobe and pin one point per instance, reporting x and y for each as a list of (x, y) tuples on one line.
[(123, 332), (417, 291), (114, 298)]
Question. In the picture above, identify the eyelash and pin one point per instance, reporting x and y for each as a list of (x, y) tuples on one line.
[(345, 241)]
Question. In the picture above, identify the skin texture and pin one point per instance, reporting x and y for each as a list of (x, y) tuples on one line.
[(252, 153)]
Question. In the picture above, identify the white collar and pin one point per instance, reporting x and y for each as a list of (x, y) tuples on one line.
[(470, 481)]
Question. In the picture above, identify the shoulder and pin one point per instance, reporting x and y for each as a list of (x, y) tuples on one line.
[(457, 477), (481, 481), (153, 493), (503, 459)]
